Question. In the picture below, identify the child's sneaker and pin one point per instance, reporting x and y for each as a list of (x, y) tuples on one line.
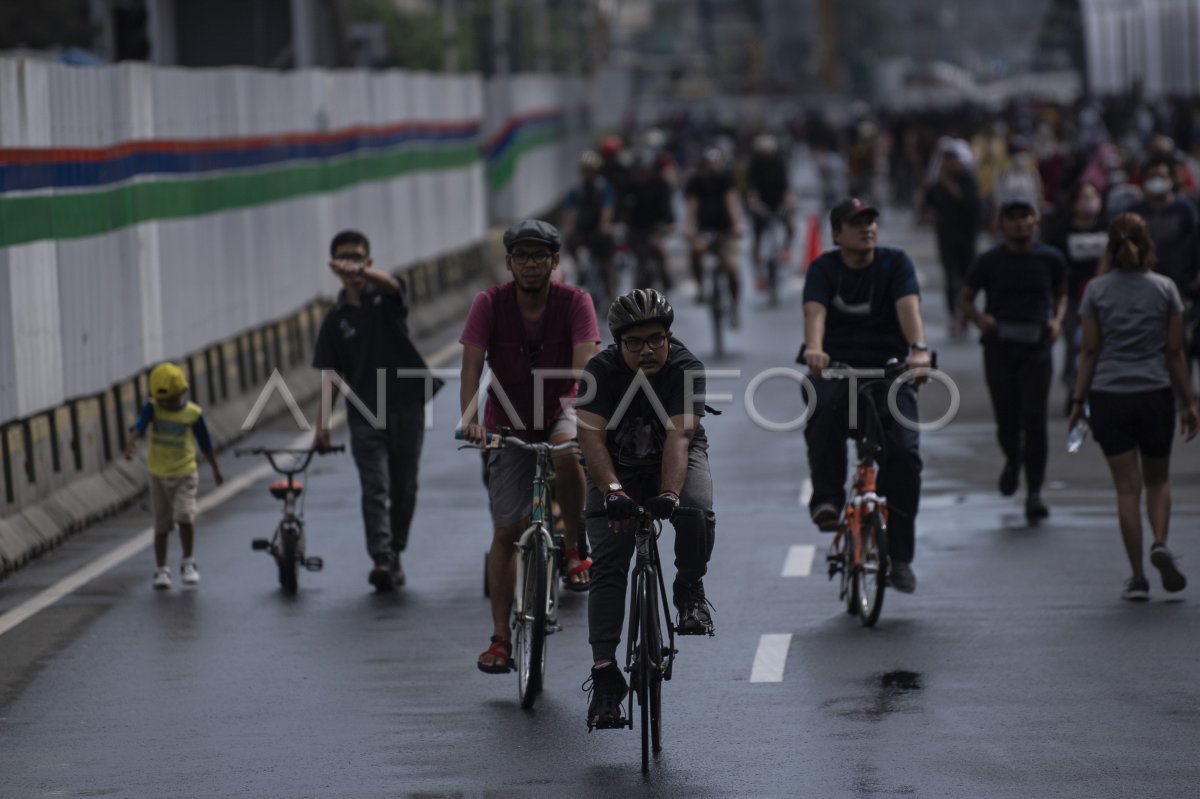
[(162, 579), (190, 575)]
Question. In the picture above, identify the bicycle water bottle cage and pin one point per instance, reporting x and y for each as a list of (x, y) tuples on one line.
[(280, 488)]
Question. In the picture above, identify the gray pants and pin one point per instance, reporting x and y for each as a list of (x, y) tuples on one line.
[(387, 462), (695, 525)]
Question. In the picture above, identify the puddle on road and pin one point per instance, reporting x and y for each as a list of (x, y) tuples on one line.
[(891, 693)]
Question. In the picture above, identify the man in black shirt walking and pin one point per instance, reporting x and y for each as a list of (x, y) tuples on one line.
[(1026, 287), (364, 339)]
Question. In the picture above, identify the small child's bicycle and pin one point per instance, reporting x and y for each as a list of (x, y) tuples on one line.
[(287, 545)]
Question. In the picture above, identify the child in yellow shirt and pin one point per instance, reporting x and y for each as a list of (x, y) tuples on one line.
[(174, 423)]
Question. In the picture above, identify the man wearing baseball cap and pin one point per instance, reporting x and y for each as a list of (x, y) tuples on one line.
[(1026, 286), (528, 330), (862, 309)]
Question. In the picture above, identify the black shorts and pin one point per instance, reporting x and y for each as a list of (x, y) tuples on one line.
[(1143, 420)]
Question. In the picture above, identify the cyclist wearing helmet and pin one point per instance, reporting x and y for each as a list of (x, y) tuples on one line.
[(714, 223), (769, 194), (644, 446), (520, 328), (588, 220)]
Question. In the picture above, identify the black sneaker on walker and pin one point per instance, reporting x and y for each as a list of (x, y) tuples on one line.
[(1162, 559), (694, 617), (381, 574), (1136, 590), (901, 578)]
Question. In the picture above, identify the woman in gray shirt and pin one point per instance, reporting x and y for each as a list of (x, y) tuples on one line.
[(1132, 352)]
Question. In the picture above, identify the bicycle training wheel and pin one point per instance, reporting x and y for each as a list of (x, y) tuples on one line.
[(652, 656), (288, 559), (872, 576), (531, 624)]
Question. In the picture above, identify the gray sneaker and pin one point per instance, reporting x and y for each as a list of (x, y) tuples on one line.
[(1162, 559), (901, 577)]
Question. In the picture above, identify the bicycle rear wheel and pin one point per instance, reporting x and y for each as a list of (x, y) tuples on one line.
[(773, 282), (531, 623), (849, 574), (287, 558), (646, 659), (717, 305), (872, 576)]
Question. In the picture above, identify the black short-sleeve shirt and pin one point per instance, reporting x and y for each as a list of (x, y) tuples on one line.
[(357, 340), (1020, 286), (636, 434), (709, 189), (862, 328)]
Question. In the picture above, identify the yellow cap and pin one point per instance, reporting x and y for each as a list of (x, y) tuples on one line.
[(167, 380)]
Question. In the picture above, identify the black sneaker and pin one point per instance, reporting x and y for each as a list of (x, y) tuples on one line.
[(1162, 559), (825, 517), (1009, 478), (1035, 509), (694, 617), (606, 691), (381, 574), (1136, 590), (901, 578)]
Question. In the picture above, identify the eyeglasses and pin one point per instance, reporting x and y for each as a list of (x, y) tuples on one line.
[(635, 344), (540, 257)]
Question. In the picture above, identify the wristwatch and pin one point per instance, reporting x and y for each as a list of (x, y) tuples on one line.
[(615, 487), (919, 346)]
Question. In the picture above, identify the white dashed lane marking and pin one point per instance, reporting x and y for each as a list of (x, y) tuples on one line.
[(771, 658), (799, 561)]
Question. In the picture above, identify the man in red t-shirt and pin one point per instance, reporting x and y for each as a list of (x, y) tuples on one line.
[(520, 328)]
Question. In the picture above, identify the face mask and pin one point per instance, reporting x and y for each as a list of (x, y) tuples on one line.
[(1158, 186)]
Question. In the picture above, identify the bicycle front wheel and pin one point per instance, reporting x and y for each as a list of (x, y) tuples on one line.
[(531, 622), (647, 656), (872, 576), (287, 558), (652, 657)]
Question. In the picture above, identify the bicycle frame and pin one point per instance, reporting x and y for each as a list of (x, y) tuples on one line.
[(539, 525)]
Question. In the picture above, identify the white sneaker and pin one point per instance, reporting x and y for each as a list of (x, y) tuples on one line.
[(162, 579), (190, 575)]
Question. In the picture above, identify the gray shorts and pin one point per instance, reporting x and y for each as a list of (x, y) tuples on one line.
[(510, 475), (173, 500)]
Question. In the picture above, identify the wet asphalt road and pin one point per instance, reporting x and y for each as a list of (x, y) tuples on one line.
[(1014, 671)]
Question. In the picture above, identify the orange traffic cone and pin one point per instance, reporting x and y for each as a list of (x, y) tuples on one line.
[(813, 249)]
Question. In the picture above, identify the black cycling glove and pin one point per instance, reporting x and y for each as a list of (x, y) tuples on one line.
[(664, 505), (619, 506)]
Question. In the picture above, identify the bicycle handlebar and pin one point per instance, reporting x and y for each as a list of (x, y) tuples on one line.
[(497, 440), (271, 452)]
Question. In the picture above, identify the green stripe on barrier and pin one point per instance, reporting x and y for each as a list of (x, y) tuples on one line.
[(65, 216), (501, 171)]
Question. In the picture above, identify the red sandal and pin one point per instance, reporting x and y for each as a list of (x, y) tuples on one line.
[(500, 648), (584, 565)]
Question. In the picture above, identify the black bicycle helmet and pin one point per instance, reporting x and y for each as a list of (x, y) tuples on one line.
[(637, 308), (533, 230)]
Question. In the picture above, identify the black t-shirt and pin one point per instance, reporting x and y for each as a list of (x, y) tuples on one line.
[(768, 177), (1173, 229), (710, 189), (636, 440), (958, 218), (862, 328), (1082, 246), (357, 340), (1021, 287), (648, 204)]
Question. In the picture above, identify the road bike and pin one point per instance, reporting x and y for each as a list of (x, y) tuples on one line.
[(720, 291), (647, 661), (540, 561), (771, 250), (859, 552), (287, 545)]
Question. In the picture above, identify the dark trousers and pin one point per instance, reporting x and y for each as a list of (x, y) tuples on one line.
[(611, 553), (387, 463), (899, 477), (956, 253), (1018, 379)]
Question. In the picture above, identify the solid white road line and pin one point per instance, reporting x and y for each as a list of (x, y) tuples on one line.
[(771, 658), (805, 492), (799, 561)]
